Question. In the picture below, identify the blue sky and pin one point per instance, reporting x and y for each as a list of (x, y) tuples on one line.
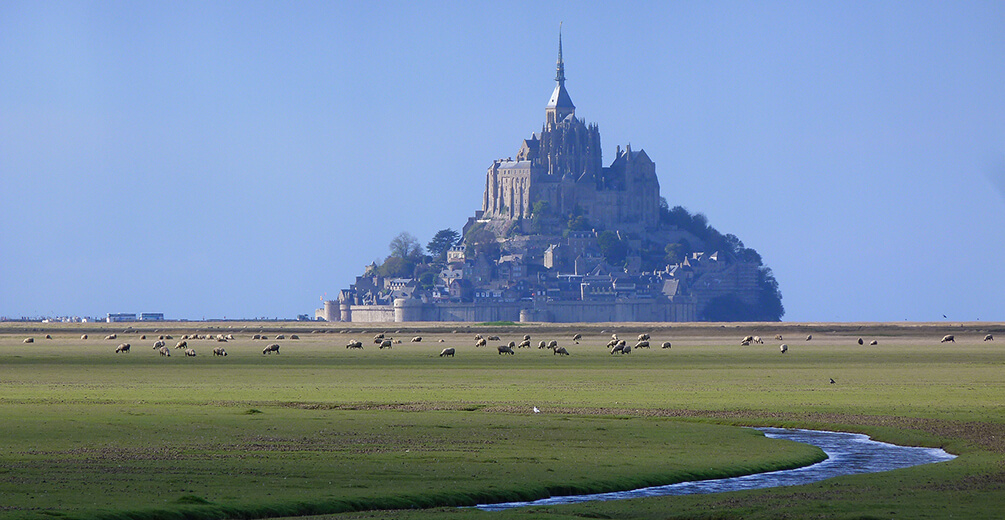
[(243, 159)]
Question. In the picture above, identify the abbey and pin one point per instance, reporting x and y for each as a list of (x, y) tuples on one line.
[(559, 171), (562, 238)]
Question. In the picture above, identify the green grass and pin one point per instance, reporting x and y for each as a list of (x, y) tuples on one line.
[(322, 429)]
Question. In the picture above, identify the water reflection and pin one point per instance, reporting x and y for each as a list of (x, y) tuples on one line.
[(847, 454)]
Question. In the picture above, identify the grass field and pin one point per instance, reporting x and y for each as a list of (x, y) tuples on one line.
[(376, 433)]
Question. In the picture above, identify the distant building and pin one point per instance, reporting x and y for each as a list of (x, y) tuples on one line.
[(152, 316)]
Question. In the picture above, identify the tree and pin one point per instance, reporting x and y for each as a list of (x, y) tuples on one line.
[(612, 247), (442, 241), (405, 246)]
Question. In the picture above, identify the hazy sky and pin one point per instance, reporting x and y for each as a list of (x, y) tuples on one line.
[(243, 159)]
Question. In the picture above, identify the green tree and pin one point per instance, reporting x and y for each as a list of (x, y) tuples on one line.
[(612, 247), (442, 241)]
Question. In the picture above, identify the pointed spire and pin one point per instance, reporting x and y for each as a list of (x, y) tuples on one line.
[(560, 74), (560, 105)]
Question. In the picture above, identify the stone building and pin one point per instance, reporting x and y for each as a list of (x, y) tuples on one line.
[(561, 167)]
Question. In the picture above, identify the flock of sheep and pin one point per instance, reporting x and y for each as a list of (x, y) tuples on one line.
[(615, 346)]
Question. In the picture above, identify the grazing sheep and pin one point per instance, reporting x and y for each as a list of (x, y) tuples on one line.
[(219, 351), (618, 349), (553, 343), (747, 339), (643, 337), (524, 343), (47, 336), (221, 340), (778, 337), (123, 347), (294, 336), (386, 344), (809, 337), (861, 341), (478, 337), (256, 336), (666, 344), (493, 338), (161, 337), (561, 350), (614, 336), (481, 342), (83, 336), (948, 338), (784, 348), (874, 342), (757, 339), (642, 344), (526, 337), (280, 336), (441, 340), (622, 343), (416, 339), (112, 336), (180, 344), (512, 344), (504, 349), (542, 344), (355, 344), (143, 336), (449, 351), (613, 343), (29, 340), (744, 343), (989, 337), (396, 341), (165, 351), (189, 352), (627, 349), (577, 337), (271, 348)]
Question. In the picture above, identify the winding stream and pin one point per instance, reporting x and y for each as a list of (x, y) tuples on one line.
[(847, 454)]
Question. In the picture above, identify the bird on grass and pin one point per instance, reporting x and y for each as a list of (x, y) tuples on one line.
[(536, 410), (832, 380)]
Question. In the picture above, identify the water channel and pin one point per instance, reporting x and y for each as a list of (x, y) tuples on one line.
[(847, 454)]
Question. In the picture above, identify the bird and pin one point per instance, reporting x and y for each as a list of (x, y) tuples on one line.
[(832, 380), (536, 410)]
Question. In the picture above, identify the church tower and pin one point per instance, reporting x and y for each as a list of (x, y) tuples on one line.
[(560, 105)]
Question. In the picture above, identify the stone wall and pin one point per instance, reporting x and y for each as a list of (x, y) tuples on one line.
[(553, 312)]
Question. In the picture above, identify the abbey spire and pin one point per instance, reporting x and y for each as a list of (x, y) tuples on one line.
[(560, 105)]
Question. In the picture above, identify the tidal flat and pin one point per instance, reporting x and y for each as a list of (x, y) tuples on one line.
[(401, 432)]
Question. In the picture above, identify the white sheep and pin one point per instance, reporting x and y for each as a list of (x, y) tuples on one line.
[(219, 351), (524, 344), (83, 336), (416, 339), (561, 350), (481, 342), (784, 348), (577, 337), (181, 344), (989, 337), (355, 344), (504, 349), (190, 352), (618, 348), (294, 336), (165, 351), (642, 344), (948, 338), (386, 344), (123, 347), (526, 337), (271, 348), (757, 339), (449, 351), (666, 344), (643, 337), (29, 340)]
